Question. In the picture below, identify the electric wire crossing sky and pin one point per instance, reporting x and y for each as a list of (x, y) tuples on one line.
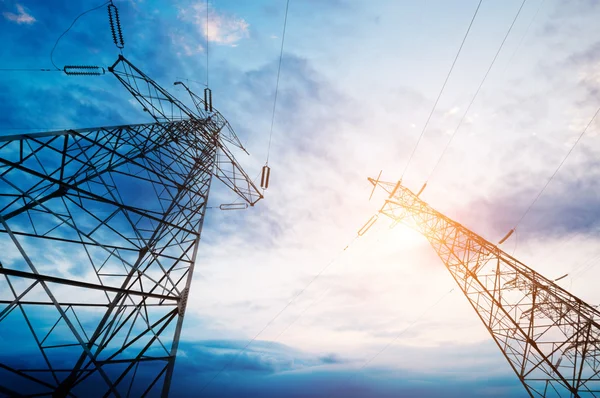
[(128, 201), (550, 338), (100, 228)]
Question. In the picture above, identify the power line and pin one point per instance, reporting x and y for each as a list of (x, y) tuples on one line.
[(442, 89), (191, 80), (476, 92), (584, 266), (289, 325), (35, 128), (404, 331), (206, 43), (318, 299), (581, 268), (309, 306), (287, 6), (557, 169), (314, 278), (29, 70), (69, 28), (524, 35)]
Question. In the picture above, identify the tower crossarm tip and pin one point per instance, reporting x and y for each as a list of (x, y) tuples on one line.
[(388, 187), (155, 100), (229, 172)]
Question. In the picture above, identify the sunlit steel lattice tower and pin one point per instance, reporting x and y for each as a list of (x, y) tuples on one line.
[(99, 234), (550, 338)]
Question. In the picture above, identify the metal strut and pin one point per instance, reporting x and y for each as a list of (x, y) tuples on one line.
[(122, 209), (550, 338)]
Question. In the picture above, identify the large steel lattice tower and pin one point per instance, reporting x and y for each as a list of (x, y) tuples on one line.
[(99, 231), (550, 338)]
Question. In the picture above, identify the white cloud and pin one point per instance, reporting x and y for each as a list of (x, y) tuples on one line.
[(590, 75), (20, 17), (185, 46), (222, 28), (452, 111)]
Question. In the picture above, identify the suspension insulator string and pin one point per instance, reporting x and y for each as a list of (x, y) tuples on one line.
[(422, 189), (83, 70), (233, 206), (506, 236), (115, 26), (368, 225), (208, 106), (265, 177)]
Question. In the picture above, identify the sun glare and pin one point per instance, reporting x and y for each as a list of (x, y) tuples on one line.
[(404, 236)]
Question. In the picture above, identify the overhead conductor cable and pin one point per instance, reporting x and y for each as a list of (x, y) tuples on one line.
[(476, 92), (69, 28), (441, 90), (558, 168), (29, 70), (266, 172), (293, 299), (208, 106)]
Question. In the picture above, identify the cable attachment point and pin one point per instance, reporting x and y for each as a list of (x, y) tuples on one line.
[(265, 177), (83, 70), (117, 33), (208, 100)]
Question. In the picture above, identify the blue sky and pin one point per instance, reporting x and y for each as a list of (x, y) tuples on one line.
[(357, 82)]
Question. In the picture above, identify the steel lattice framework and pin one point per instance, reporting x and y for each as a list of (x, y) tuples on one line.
[(99, 232), (550, 338)]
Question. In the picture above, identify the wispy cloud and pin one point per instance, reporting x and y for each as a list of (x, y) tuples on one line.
[(452, 111), (221, 28), (184, 46), (21, 17)]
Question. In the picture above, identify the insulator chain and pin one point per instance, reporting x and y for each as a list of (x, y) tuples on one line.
[(265, 177), (83, 70), (233, 206), (208, 107), (117, 33)]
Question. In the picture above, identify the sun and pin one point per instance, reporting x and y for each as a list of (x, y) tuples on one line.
[(404, 236)]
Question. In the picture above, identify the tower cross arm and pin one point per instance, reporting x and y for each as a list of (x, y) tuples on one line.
[(550, 338), (204, 123)]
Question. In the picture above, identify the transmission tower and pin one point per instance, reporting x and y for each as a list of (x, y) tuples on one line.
[(550, 338), (99, 235)]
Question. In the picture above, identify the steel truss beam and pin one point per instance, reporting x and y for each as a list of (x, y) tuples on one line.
[(550, 338), (99, 233)]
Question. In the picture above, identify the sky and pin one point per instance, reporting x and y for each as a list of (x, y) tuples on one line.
[(358, 80)]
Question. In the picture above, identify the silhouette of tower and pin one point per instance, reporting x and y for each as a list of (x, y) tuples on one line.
[(99, 233), (550, 338)]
